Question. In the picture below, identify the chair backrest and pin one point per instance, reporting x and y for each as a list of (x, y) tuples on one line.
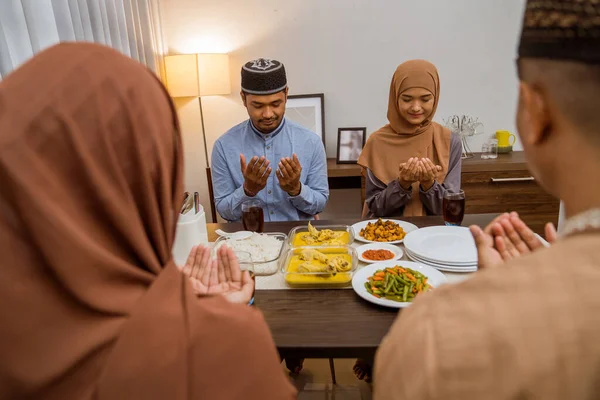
[(211, 195), (363, 185)]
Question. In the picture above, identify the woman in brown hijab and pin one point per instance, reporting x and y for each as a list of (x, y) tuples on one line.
[(411, 161), (92, 304)]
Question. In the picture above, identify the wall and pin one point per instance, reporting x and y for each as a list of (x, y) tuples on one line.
[(348, 50)]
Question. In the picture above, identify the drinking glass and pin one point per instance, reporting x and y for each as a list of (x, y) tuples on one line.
[(485, 150), (247, 264), (493, 148), (253, 216), (454, 207)]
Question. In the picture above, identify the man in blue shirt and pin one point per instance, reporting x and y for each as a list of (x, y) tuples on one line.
[(268, 157)]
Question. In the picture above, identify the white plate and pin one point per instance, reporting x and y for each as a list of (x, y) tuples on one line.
[(379, 246), (407, 226), (434, 262), (436, 278), (443, 244), (442, 267)]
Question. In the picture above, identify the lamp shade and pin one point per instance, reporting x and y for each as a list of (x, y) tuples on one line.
[(194, 75)]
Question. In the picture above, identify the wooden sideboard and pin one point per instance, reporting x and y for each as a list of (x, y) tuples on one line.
[(505, 184), (492, 186)]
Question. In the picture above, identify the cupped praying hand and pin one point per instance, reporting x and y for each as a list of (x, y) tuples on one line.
[(421, 170), (218, 276)]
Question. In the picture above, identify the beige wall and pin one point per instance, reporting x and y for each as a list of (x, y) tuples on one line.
[(348, 49)]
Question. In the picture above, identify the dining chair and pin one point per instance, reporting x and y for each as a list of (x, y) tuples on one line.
[(211, 195)]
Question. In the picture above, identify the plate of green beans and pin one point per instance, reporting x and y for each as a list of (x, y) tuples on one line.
[(395, 283)]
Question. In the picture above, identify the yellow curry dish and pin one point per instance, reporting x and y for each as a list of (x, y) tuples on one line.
[(338, 236), (320, 267)]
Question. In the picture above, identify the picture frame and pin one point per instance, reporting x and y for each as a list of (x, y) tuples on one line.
[(350, 144), (308, 110)]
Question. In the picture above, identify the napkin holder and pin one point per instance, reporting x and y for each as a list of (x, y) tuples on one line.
[(191, 231)]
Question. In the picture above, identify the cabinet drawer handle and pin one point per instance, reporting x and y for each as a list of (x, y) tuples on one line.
[(504, 180)]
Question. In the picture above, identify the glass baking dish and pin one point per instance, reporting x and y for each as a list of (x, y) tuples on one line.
[(265, 263), (321, 273), (296, 237)]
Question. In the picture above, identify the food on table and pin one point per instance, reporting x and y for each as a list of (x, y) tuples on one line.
[(335, 270), (397, 284), (264, 250), (378, 255), (340, 264), (382, 231), (312, 268), (333, 265), (315, 237), (311, 254)]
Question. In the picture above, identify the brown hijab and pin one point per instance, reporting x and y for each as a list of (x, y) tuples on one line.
[(92, 304), (400, 140)]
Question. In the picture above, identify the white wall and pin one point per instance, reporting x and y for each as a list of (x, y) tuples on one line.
[(349, 49)]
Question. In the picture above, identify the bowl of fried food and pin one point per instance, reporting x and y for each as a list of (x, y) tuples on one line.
[(325, 235), (320, 266), (382, 231)]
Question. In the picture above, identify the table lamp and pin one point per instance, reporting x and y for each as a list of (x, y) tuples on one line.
[(199, 75)]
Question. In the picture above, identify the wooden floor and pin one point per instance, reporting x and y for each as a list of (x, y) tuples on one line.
[(314, 382)]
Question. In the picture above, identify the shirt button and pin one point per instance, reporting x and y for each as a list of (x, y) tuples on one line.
[(268, 147), (272, 212), (269, 192)]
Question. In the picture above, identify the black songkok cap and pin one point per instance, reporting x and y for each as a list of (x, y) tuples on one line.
[(562, 30), (263, 77)]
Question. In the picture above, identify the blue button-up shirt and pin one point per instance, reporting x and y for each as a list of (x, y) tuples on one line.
[(287, 139)]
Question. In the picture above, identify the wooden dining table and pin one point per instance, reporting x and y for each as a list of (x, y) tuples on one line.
[(327, 323)]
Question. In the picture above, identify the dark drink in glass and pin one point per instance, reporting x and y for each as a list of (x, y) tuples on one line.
[(454, 207), (253, 216)]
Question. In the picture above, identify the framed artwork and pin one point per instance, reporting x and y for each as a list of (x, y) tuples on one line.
[(350, 143), (308, 110)]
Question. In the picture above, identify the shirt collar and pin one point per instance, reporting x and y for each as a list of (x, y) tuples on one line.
[(582, 222), (270, 135)]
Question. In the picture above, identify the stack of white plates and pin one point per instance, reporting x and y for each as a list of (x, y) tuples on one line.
[(447, 248)]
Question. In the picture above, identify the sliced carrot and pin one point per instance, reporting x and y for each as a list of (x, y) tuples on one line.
[(377, 278), (382, 274), (376, 295)]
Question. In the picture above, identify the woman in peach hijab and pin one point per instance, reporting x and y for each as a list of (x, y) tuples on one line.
[(411, 161), (92, 304)]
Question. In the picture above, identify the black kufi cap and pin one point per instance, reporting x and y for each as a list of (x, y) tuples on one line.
[(562, 30), (263, 77)]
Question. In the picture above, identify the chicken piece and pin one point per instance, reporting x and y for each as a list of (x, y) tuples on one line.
[(340, 264), (311, 254), (308, 267), (326, 234), (309, 240), (312, 231)]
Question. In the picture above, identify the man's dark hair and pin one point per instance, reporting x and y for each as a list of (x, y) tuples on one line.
[(573, 86)]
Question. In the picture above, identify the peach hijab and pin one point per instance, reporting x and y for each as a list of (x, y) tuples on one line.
[(400, 140), (92, 305)]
